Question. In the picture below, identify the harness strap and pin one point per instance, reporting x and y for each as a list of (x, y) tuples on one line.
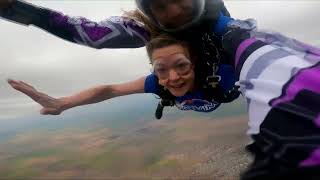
[(167, 99)]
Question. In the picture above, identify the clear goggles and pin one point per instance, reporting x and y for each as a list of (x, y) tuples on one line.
[(181, 65)]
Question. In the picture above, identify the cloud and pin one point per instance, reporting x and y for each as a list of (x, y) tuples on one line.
[(293, 18)]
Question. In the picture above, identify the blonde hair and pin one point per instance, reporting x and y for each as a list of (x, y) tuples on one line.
[(159, 38), (137, 15)]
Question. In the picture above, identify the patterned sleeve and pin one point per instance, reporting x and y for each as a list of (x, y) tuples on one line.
[(114, 32)]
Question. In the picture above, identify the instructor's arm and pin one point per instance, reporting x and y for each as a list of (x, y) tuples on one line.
[(113, 32)]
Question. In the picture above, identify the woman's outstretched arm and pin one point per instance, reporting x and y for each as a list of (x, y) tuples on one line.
[(55, 106)]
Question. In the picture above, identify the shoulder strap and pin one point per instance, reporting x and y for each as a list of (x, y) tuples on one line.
[(167, 99), (211, 55)]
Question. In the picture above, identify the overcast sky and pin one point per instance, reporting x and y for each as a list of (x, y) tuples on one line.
[(60, 68)]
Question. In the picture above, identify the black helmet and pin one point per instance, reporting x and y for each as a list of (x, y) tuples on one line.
[(196, 10)]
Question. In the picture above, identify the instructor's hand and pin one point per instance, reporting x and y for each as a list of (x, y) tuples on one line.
[(50, 105)]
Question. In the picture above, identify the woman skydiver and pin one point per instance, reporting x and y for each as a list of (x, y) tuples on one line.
[(173, 69)]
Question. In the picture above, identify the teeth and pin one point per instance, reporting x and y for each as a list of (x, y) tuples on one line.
[(179, 86)]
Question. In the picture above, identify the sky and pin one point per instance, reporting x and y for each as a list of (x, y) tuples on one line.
[(60, 68)]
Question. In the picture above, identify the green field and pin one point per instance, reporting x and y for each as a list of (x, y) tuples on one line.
[(181, 145)]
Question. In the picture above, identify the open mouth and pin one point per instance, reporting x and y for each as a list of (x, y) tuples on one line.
[(178, 86)]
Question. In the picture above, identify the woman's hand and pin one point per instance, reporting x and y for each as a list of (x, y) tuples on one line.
[(50, 105)]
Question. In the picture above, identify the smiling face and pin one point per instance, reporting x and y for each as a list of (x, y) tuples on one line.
[(174, 69)]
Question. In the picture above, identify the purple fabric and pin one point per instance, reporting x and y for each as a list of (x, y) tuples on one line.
[(95, 32), (306, 79), (310, 49), (68, 28), (313, 160), (59, 20), (242, 47), (312, 57), (127, 22), (317, 121)]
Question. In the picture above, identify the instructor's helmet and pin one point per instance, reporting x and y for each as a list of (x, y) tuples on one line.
[(172, 15)]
